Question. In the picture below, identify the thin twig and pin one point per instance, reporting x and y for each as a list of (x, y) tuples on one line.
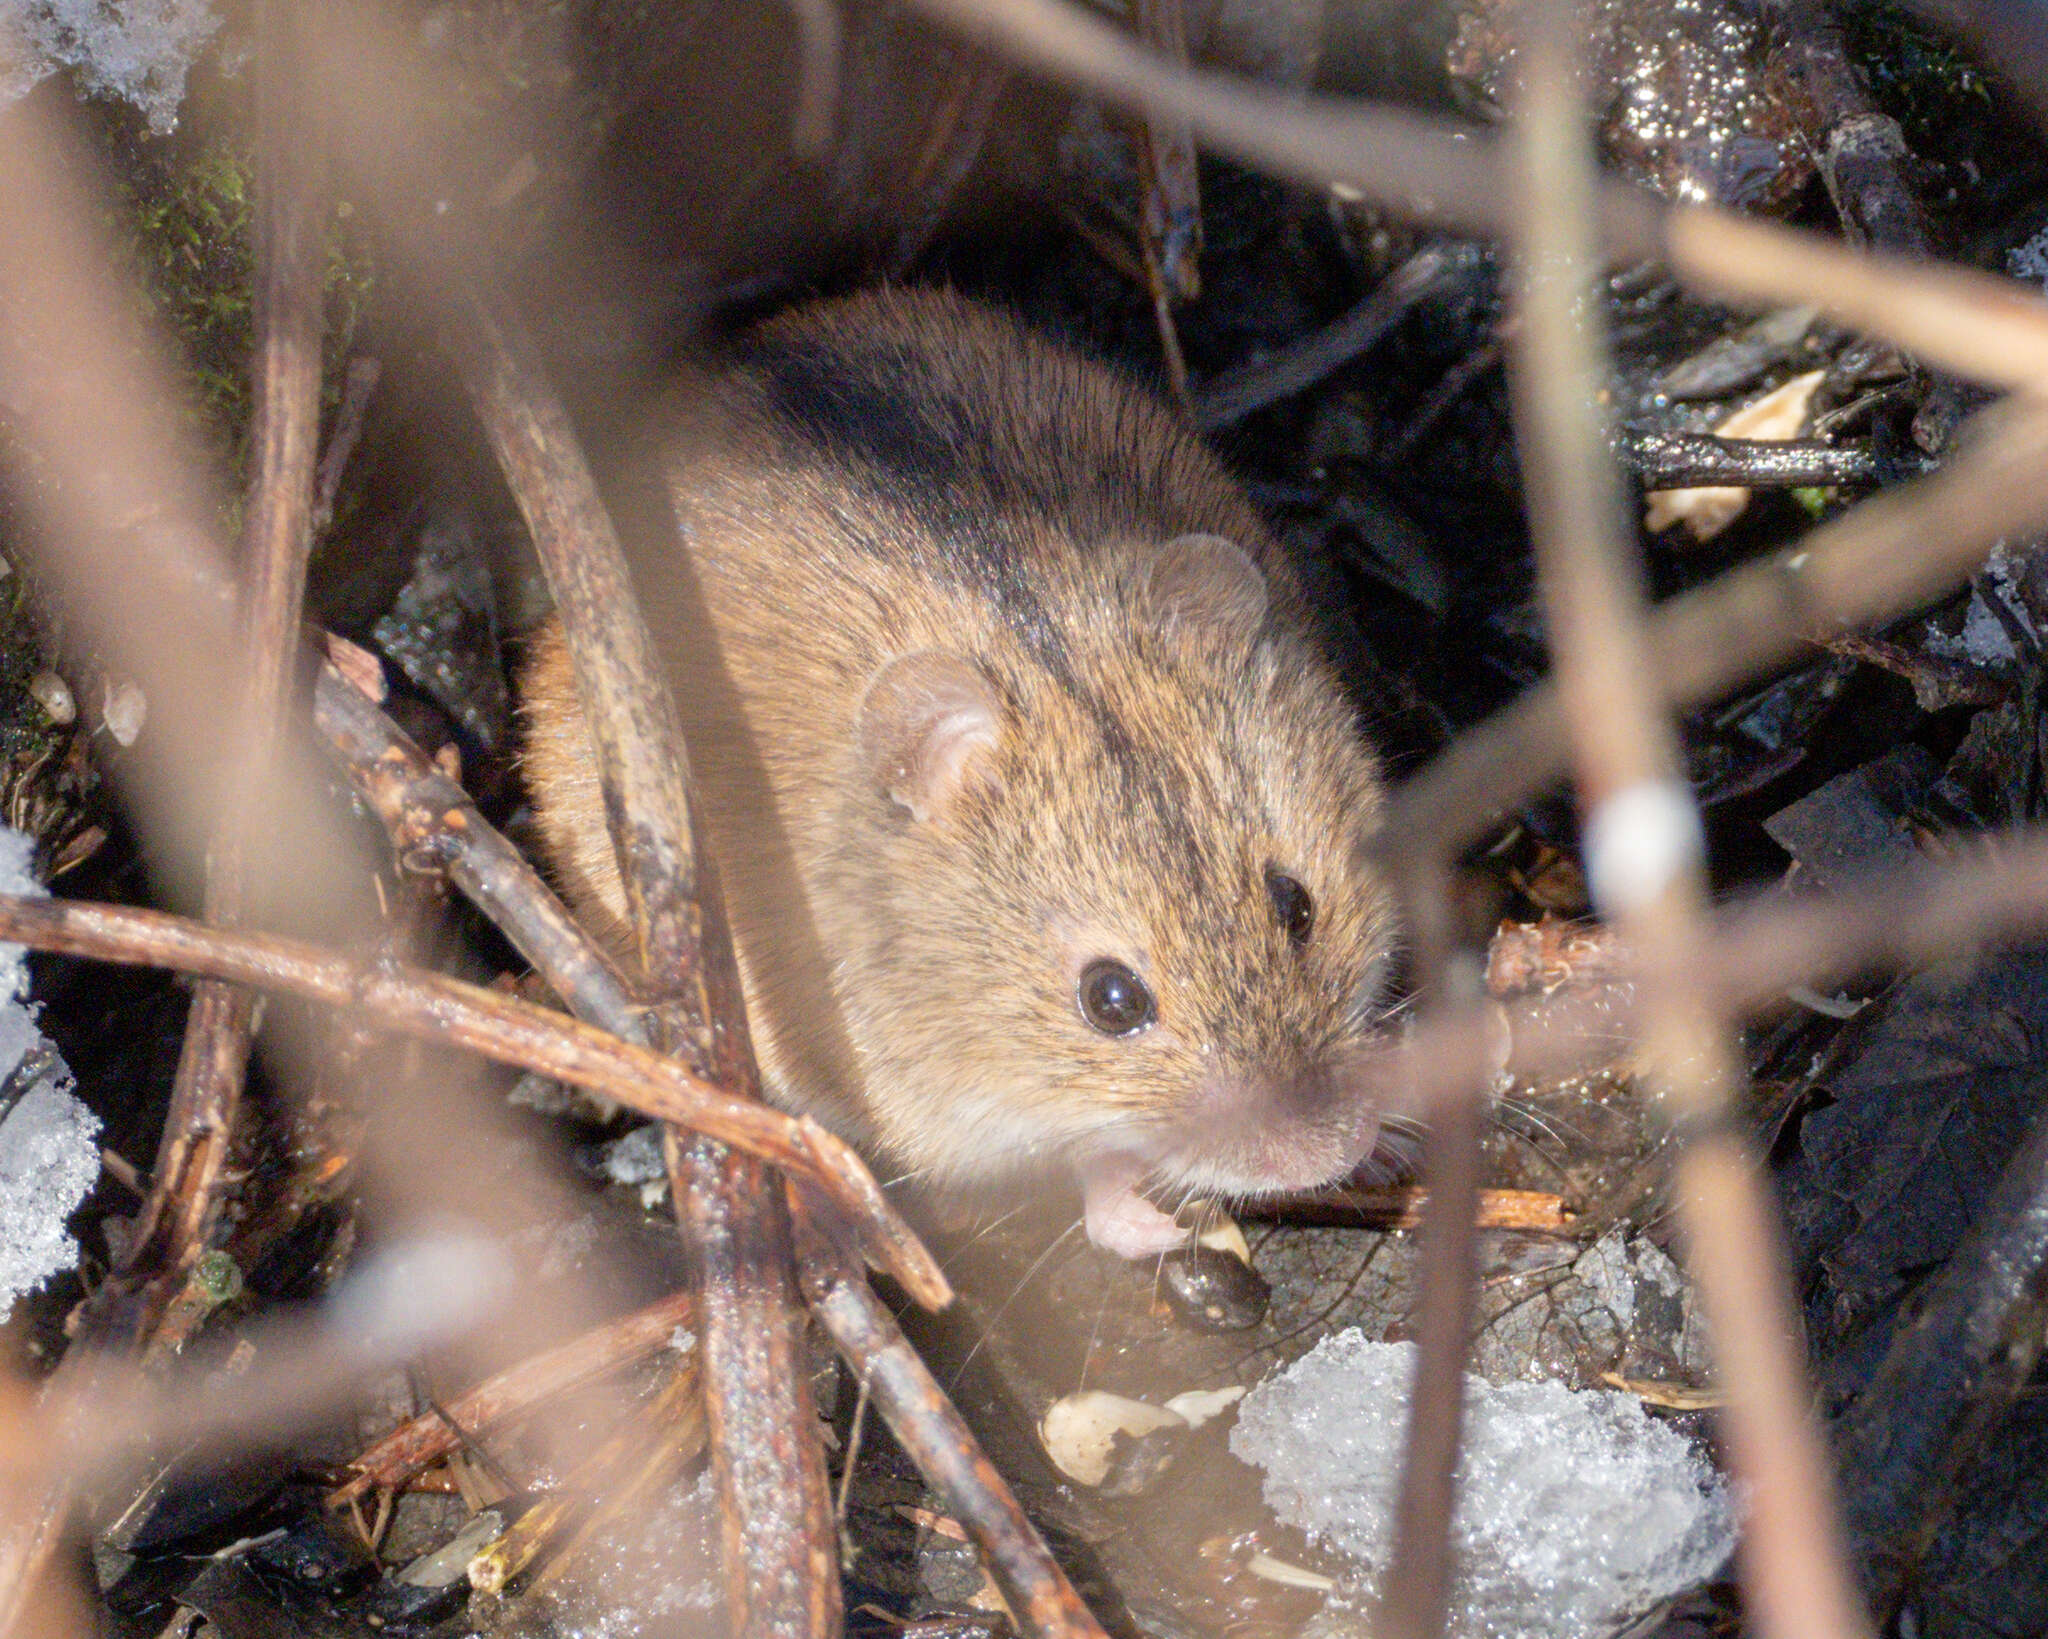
[(1894, 553), (430, 817), (1677, 460), (185, 1199), (1422, 167), (1527, 1211), (429, 1437), (1644, 858), (1416, 1597), (943, 1447), (780, 1547), (451, 1012), (1309, 359), (1438, 171)]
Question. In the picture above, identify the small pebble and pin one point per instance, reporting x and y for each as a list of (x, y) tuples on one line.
[(54, 695), (1212, 1291), (123, 708)]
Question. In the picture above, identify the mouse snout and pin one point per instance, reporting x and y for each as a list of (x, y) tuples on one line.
[(1277, 1128)]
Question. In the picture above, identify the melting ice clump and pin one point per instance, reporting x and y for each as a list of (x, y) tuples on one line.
[(1575, 1510), (135, 49), (49, 1142)]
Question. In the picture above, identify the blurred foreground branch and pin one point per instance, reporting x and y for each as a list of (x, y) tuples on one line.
[(1645, 857)]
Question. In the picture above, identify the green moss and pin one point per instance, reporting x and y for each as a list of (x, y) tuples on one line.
[(191, 232), (194, 259)]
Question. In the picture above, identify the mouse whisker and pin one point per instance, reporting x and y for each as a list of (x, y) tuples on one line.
[(1003, 1308), (988, 1226)]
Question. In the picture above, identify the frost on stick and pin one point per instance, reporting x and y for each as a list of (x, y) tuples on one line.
[(1575, 1509)]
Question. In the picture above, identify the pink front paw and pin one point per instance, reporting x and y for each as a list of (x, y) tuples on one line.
[(1118, 1218)]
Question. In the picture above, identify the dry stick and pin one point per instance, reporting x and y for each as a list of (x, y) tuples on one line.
[(1753, 955), (1169, 197), (1530, 1211), (173, 1227), (1426, 168), (425, 812), (1906, 919), (1975, 324), (780, 1544), (516, 1390), (651, 1446), (939, 1442), (1893, 554), (1307, 360), (1419, 1572), (434, 824), (446, 1012), (303, 1374), (1169, 189), (1680, 460), (1645, 859)]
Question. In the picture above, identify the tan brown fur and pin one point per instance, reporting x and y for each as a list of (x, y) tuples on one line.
[(905, 472)]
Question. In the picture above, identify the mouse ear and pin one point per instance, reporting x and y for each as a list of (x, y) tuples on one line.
[(1205, 580), (927, 723)]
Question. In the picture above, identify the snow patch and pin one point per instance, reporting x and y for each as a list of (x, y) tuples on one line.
[(49, 1141), (1575, 1509), (138, 50)]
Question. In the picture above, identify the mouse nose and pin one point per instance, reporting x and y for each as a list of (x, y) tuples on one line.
[(1285, 1127)]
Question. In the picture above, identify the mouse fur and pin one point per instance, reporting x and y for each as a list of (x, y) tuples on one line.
[(990, 676)]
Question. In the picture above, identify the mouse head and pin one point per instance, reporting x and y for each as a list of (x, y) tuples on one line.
[(1115, 901)]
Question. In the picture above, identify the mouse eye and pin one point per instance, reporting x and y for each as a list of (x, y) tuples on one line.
[(1114, 999), (1291, 903)]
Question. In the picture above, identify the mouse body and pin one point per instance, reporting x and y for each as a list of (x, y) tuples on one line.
[(1040, 813)]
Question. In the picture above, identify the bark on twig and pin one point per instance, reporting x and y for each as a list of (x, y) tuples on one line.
[(1415, 1600), (1862, 151), (1675, 460), (431, 819), (1528, 1211)]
